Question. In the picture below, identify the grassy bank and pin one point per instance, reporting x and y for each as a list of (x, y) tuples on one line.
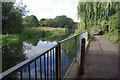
[(113, 36), (30, 33), (110, 35)]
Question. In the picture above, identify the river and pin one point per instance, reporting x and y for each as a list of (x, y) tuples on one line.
[(16, 53)]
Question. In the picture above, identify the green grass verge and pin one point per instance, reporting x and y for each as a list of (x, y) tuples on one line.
[(113, 36)]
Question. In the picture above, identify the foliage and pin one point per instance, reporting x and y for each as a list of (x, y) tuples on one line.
[(30, 33), (42, 22), (12, 55), (113, 22), (90, 36), (31, 21), (92, 13), (63, 20), (69, 47), (59, 21), (49, 22), (12, 17), (104, 23), (101, 17), (81, 25), (10, 38), (113, 36)]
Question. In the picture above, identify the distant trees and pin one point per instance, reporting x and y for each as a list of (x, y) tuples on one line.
[(12, 17), (58, 21), (62, 21), (49, 23), (31, 21), (13, 21), (41, 22)]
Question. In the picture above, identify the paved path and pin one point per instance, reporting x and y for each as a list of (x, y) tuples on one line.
[(101, 61)]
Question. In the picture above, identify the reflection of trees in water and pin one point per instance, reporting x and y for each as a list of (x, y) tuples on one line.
[(57, 38), (15, 53), (12, 55), (32, 41), (69, 47)]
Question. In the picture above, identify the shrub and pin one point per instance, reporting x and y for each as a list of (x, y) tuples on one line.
[(90, 36), (114, 22)]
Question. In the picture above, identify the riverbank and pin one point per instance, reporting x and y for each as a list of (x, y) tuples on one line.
[(31, 33)]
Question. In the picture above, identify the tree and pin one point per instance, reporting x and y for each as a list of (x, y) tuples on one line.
[(12, 17), (31, 21), (49, 23), (41, 22), (82, 13), (63, 20), (58, 21), (91, 13)]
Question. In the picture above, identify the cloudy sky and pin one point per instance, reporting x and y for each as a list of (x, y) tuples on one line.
[(52, 8)]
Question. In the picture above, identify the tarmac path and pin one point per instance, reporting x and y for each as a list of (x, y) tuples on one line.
[(101, 61)]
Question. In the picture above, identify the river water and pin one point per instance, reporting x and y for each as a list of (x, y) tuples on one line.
[(15, 53)]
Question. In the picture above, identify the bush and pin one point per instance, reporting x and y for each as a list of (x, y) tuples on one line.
[(103, 23), (113, 36), (114, 22), (90, 36)]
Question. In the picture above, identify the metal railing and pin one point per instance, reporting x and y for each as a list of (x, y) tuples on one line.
[(49, 63)]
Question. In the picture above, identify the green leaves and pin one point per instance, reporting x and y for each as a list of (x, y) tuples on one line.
[(114, 22), (30, 21), (58, 21), (91, 12), (12, 17)]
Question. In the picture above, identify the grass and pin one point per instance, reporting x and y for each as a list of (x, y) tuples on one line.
[(10, 38), (46, 28), (113, 36), (31, 33)]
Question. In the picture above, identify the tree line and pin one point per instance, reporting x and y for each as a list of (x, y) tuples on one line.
[(58, 21), (13, 21)]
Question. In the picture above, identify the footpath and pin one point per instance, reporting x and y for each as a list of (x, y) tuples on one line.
[(101, 61)]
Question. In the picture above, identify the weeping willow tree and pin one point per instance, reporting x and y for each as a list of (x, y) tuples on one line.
[(92, 13)]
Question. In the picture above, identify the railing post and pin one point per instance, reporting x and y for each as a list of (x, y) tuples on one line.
[(75, 48), (58, 62), (82, 57)]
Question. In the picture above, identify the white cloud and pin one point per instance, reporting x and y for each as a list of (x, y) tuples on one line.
[(52, 8)]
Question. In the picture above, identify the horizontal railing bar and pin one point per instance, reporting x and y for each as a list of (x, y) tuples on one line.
[(67, 38), (70, 37), (21, 65), (69, 69)]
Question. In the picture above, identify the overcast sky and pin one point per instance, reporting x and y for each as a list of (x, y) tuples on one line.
[(52, 8)]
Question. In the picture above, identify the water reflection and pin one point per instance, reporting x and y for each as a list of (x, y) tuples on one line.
[(12, 55), (31, 50), (18, 52), (49, 70)]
